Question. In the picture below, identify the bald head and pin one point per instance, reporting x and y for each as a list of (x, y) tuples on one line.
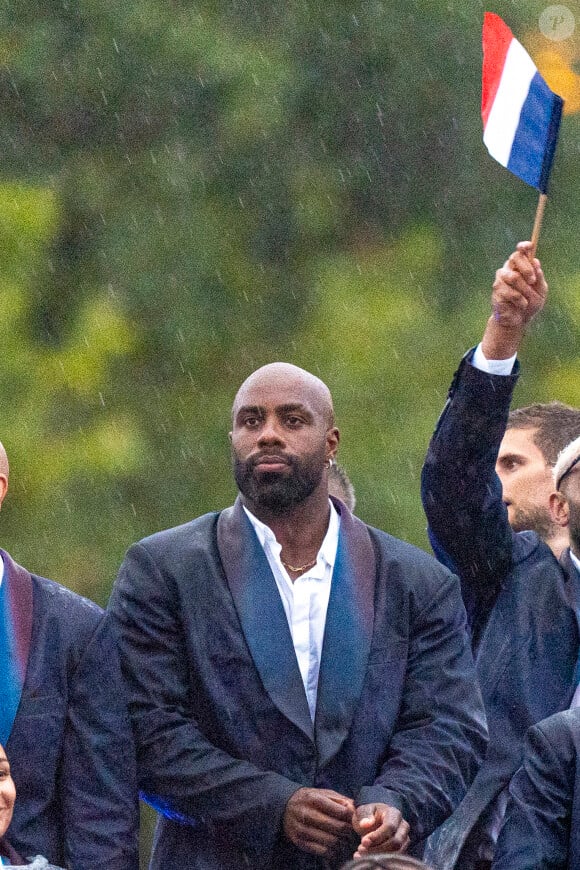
[(288, 382)]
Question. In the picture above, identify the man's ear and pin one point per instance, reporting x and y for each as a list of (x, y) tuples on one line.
[(3, 487), (559, 509), (332, 440)]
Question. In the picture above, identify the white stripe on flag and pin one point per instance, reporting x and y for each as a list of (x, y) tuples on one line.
[(504, 117)]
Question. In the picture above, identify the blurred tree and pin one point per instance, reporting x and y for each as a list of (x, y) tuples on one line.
[(222, 185), (191, 190)]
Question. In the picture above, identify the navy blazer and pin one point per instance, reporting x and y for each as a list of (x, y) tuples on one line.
[(224, 735), (542, 824), (520, 600), (70, 748)]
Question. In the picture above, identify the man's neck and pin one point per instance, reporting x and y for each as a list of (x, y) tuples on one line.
[(558, 542), (300, 528)]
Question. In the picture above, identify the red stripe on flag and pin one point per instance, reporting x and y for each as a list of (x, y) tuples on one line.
[(496, 39)]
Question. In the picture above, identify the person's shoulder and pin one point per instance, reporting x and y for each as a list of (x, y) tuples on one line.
[(561, 728), (60, 599), (192, 534), (70, 620), (396, 547), (535, 566), (529, 546), (554, 744), (415, 561)]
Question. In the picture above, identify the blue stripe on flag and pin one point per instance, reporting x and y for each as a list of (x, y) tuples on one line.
[(536, 135)]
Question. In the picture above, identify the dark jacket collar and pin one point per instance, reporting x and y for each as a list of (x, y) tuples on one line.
[(347, 636)]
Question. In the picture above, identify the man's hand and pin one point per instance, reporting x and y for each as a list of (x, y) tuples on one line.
[(519, 292), (315, 819), (382, 829)]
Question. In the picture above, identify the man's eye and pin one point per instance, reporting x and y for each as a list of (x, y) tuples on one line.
[(510, 465), (294, 421), (251, 421)]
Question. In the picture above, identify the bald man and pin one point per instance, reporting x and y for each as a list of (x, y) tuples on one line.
[(64, 724), (300, 684)]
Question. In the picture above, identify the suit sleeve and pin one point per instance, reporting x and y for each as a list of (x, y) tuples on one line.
[(181, 773), (536, 830), (440, 734), (98, 779), (461, 492)]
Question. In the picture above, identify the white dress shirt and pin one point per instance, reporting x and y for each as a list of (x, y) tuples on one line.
[(305, 600), (492, 366)]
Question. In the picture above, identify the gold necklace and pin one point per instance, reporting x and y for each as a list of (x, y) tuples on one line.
[(300, 569)]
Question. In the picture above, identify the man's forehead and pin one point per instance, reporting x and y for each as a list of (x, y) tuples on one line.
[(259, 394), (521, 441), (282, 384)]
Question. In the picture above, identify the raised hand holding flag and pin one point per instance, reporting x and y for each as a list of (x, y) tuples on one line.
[(521, 115)]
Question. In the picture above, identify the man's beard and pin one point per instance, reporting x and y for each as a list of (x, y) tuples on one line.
[(535, 520), (278, 492)]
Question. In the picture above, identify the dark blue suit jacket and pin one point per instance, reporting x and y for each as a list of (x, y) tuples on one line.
[(542, 823), (520, 600), (70, 749), (220, 713)]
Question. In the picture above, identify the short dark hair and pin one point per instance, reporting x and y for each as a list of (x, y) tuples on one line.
[(556, 426)]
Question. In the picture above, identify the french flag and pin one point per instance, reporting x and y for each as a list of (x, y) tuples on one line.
[(521, 115)]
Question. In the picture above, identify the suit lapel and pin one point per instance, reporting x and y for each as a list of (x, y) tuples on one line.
[(572, 592), (262, 615), (15, 633), (572, 578), (347, 635)]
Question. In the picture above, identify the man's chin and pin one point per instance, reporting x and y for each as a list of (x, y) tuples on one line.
[(276, 500), (534, 520)]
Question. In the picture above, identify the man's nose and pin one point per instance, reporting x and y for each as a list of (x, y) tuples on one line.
[(270, 433)]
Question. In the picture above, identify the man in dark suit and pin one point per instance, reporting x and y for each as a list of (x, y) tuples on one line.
[(519, 598), (301, 685), (64, 724), (542, 822)]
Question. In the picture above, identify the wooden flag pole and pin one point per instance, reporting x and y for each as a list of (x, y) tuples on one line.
[(538, 221)]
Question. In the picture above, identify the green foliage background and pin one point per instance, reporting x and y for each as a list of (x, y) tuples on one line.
[(190, 190)]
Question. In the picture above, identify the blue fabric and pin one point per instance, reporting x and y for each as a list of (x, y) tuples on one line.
[(534, 143)]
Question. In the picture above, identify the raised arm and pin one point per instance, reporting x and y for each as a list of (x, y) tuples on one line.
[(461, 491)]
